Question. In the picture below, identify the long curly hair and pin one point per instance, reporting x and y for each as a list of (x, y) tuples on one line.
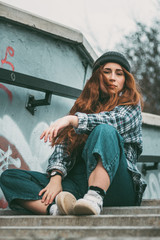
[(92, 100)]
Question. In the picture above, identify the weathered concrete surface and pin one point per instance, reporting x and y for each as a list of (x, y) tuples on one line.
[(102, 220), (151, 147), (66, 232), (151, 134), (83, 238)]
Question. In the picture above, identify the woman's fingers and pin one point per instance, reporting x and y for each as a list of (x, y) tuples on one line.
[(48, 197), (54, 129), (52, 197), (42, 135), (48, 134), (42, 191), (51, 134), (44, 197)]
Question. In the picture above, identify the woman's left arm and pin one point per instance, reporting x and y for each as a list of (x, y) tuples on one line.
[(124, 118), (56, 127)]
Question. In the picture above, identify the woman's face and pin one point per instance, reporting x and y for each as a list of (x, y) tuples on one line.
[(115, 78)]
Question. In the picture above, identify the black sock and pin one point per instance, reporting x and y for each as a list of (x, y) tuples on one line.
[(48, 208), (100, 191)]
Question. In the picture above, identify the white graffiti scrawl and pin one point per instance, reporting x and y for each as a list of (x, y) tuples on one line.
[(6, 159)]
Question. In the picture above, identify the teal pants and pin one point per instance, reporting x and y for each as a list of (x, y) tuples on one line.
[(104, 142)]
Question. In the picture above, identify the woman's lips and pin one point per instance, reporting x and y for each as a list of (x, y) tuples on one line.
[(112, 86)]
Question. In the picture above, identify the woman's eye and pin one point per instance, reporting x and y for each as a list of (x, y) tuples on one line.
[(120, 73)]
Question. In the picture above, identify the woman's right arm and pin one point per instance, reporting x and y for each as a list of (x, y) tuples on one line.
[(51, 190), (61, 162)]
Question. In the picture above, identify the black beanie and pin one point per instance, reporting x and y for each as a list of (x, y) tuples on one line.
[(112, 56)]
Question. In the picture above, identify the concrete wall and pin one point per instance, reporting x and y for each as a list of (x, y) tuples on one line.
[(151, 147), (43, 49)]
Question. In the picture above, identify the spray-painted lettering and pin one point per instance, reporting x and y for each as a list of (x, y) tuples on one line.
[(6, 160), (7, 91), (9, 51)]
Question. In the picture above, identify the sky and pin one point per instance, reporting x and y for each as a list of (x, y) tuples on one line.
[(103, 22)]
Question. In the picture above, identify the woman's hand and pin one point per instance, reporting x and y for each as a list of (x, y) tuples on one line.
[(55, 128), (51, 190)]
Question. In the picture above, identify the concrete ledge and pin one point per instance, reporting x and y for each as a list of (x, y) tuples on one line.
[(10, 13), (151, 119)]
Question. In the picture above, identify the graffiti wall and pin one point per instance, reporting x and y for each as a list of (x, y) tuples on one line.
[(39, 54), (15, 150), (20, 145)]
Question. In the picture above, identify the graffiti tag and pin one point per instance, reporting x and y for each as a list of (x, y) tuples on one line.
[(9, 51), (7, 91), (6, 160)]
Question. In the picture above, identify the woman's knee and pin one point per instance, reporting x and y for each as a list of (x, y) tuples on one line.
[(105, 135), (103, 143), (104, 128)]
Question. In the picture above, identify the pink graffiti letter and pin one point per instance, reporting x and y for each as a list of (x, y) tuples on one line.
[(9, 51)]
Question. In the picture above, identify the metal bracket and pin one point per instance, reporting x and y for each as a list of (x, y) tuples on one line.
[(146, 168), (32, 103)]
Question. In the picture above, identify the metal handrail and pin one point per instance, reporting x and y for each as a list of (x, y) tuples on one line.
[(34, 83)]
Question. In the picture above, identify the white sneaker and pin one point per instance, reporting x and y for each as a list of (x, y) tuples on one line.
[(90, 204), (65, 202)]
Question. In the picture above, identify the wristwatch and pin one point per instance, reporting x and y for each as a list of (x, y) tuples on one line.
[(54, 173)]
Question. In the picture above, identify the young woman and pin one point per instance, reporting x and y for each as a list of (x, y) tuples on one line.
[(96, 148)]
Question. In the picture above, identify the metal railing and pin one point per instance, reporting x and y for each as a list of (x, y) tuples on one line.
[(34, 83)]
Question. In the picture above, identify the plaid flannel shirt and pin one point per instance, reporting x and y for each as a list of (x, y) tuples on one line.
[(128, 122)]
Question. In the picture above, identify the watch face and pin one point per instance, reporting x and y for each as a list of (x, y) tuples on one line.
[(53, 173)]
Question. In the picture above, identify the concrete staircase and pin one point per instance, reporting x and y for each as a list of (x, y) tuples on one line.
[(113, 224)]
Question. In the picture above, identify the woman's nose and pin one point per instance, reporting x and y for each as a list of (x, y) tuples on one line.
[(112, 77)]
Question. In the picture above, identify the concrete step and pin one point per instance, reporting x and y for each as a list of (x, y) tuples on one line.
[(102, 220), (132, 210), (80, 238), (83, 231), (107, 210), (150, 202), (115, 223), (59, 232)]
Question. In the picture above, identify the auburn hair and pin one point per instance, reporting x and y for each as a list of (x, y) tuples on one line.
[(91, 101)]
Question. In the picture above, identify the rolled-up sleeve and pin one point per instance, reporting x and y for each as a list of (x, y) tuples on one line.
[(60, 160), (124, 118)]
